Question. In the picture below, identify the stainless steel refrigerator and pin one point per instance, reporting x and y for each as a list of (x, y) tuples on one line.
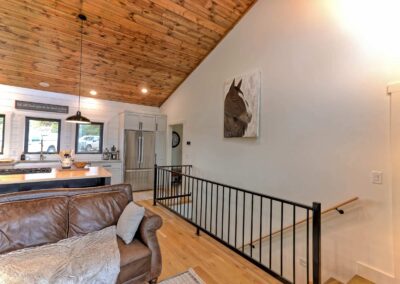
[(139, 159)]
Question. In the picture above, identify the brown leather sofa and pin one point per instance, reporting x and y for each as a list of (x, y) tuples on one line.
[(39, 217)]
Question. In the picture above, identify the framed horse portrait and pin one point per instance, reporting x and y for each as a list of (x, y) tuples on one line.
[(242, 105)]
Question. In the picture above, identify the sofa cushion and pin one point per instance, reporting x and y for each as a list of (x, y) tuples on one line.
[(32, 222), (93, 212), (135, 260)]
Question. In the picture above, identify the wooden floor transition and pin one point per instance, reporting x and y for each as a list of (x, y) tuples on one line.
[(182, 249)]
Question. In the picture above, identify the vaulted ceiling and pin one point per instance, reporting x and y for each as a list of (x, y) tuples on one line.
[(127, 44)]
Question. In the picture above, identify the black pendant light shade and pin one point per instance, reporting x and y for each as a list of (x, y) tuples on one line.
[(78, 118)]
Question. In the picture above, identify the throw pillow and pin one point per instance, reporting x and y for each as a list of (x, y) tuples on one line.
[(129, 222)]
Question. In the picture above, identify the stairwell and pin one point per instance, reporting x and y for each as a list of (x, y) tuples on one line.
[(355, 280)]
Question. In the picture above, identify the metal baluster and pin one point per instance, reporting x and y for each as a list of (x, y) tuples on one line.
[(188, 197), (308, 246), (216, 213), (211, 201), (244, 217), (184, 209), (294, 244), (270, 234), (229, 215), (260, 240), (201, 204), (197, 201), (281, 238), (236, 216), (206, 208), (223, 212), (155, 186), (251, 226), (191, 217), (316, 243)]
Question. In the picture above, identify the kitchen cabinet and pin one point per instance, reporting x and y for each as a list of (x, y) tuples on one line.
[(114, 167), (140, 122), (161, 123), (160, 148)]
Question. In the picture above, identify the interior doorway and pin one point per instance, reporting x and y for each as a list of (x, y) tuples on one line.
[(176, 144)]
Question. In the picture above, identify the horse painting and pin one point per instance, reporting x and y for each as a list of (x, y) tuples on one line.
[(236, 112)]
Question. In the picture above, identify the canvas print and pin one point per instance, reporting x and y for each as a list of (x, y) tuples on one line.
[(241, 105)]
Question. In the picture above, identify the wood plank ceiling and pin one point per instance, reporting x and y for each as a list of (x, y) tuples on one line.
[(127, 44)]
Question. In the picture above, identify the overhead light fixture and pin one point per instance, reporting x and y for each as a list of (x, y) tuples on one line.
[(78, 118), (144, 90), (44, 84), (93, 92)]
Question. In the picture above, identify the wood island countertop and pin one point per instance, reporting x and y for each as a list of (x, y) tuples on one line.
[(54, 175)]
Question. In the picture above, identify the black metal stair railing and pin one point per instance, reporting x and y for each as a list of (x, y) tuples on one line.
[(261, 228)]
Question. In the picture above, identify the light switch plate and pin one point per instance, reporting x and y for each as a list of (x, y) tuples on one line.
[(376, 177)]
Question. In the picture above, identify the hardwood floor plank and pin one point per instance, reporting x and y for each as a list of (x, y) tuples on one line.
[(182, 249)]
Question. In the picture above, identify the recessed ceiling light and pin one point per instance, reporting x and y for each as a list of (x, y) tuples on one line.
[(44, 84), (144, 90), (93, 92)]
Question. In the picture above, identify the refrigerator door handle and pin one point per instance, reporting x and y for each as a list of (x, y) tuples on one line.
[(138, 150), (141, 154)]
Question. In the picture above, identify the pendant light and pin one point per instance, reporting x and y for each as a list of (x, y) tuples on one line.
[(78, 118)]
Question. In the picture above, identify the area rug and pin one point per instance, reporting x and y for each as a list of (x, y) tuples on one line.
[(188, 277)]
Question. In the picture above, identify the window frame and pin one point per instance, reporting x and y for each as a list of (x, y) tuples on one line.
[(4, 133), (27, 119), (77, 151)]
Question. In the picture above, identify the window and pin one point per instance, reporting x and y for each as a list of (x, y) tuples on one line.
[(42, 135), (89, 138), (2, 128)]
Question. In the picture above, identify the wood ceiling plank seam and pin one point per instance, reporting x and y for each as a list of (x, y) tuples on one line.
[(71, 73), (89, 37), (138, 28), (248, 9), (151, 59), (125, 16), (145, 36), (158, 60), (196, 18), (212, 12)]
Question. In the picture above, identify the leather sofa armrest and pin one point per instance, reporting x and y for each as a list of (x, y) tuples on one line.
[(150, 224)]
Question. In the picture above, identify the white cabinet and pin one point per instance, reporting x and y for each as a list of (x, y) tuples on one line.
[(161, 123), (131, 121), (140, 122), (161, 142), (114, 167)]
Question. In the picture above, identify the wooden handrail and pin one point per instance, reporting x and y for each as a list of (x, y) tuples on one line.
[(330, 209)]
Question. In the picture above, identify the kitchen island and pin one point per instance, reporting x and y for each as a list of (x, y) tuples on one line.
[(55, 178)]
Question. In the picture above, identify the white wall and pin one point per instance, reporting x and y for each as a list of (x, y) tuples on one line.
[(95, 109), (324, 121)]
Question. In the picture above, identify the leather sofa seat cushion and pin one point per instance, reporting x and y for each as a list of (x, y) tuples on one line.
[(93, 212), (135, 260), (33, 223)]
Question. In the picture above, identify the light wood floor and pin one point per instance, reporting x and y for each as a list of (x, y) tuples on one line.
[(182, 249)]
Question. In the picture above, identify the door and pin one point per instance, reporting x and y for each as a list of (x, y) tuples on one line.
[(132, 149), (147, 150)]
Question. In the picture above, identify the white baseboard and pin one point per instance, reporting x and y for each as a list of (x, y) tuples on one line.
[(375, 275)]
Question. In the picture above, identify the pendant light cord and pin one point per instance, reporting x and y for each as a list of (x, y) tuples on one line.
[(80, 68)]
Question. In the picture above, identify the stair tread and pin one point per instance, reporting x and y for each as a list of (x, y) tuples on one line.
[(333, 281), (359, 280)]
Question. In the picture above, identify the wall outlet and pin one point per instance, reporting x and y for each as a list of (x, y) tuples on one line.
[(303, 262), (376, 177)]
